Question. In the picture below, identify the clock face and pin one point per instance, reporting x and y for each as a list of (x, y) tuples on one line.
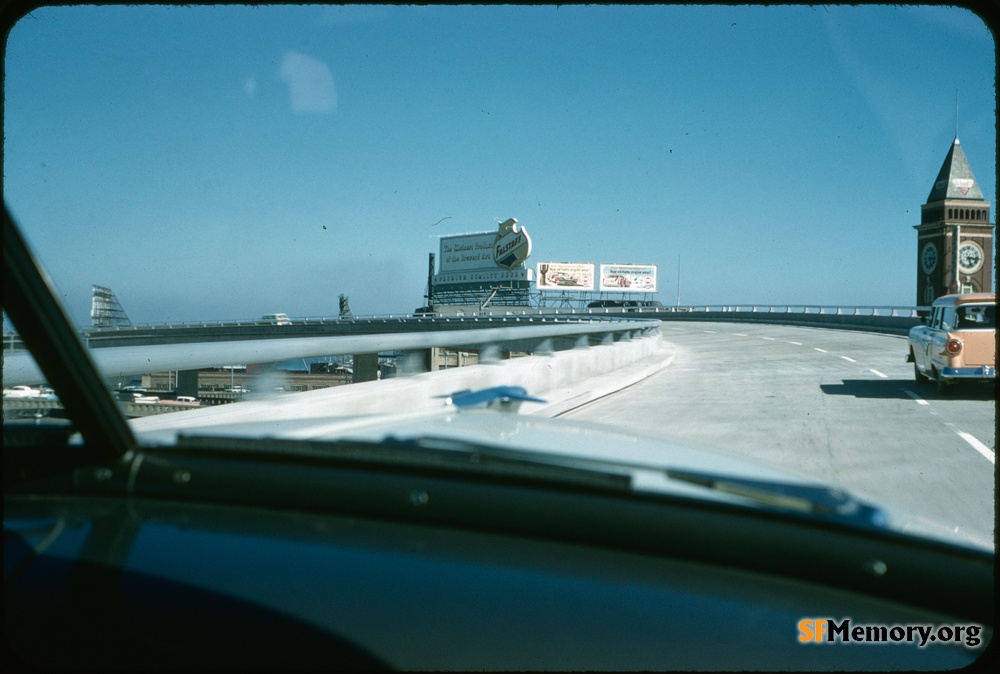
[(970, 257), (928, 258)]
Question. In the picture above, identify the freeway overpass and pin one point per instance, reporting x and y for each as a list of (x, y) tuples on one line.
[(188, 346)]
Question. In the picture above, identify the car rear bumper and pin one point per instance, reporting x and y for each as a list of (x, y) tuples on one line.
[(982, 372)]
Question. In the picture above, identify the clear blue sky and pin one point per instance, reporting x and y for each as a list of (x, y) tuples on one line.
[(225, 162)]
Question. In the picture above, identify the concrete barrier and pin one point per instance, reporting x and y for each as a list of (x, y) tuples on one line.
[(565, 379)]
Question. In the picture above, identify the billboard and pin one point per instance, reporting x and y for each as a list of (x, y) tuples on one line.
[(628, 278), (512, 245), (507, 248), (467, 252), (558, 276)]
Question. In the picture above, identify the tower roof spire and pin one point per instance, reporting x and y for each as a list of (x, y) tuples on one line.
[(955, 180)]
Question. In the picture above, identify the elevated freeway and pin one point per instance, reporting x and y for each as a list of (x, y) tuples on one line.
[(133, 350)]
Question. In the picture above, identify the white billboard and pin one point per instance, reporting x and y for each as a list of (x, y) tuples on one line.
[(465, 252), (628, 278), (558, 276)]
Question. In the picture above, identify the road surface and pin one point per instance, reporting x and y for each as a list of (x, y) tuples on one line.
[(836, 405)]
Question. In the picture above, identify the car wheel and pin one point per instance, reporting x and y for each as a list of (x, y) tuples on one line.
[(918, 375)]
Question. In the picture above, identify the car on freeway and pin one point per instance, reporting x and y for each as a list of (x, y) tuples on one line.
[(29, 393), (305, 151), (275, 319), (21, 392), (956, 342), (625, 304)]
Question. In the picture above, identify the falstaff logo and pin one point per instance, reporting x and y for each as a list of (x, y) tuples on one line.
[(828, 630)]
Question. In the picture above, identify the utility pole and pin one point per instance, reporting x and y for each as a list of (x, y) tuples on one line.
[(430, 281), (678, 280)]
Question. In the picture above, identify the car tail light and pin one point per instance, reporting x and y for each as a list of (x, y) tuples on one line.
[(954, 346)]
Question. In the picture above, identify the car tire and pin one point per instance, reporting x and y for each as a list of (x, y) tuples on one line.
[(918, 375)]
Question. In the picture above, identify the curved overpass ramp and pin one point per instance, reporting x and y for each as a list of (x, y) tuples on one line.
[(835, 405)]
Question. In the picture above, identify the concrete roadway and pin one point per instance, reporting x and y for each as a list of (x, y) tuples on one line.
[(835, 405)]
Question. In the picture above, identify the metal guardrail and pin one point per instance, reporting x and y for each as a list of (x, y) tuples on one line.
[(803, 309), (795, 314), (202, 349)]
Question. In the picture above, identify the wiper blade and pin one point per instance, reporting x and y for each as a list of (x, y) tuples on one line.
[(809, 499), (422, 453)]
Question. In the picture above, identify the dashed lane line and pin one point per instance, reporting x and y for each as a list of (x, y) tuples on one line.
[(820, 350), (975, 443), (849, 360), (878, 374), (978, 446), (796, 343), (920, 401)]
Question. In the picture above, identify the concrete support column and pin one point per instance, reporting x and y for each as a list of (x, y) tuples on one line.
[(491, 353), (415, 362), (187, 383), (544, 347), (365, 367)]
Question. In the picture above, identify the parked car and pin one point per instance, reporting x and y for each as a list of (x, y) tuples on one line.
[(957, 342)]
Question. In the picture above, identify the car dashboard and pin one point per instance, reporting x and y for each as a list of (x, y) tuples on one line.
[(178, 560)]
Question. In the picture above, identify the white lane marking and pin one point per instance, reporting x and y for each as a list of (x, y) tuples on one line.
[(821, 350), (739, 334), (711, 332), (978, 446), (770, 339), (879, 374), (796, 343), (920, 401), (972, 440), (849, 360)]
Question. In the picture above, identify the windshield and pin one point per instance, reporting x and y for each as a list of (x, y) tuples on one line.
[(274, 221)]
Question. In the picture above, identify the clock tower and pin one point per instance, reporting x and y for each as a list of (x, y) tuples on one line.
[(955, 235)]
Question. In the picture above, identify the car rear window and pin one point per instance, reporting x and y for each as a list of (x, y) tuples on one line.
[(976, 316)]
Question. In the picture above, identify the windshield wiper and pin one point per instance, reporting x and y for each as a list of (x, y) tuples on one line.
[(452, 454), (424, 453), (809, 499)]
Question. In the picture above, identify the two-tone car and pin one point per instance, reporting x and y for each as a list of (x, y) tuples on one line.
[(956, 342)]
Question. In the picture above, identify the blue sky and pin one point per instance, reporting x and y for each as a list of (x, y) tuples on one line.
[(225, 162)]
